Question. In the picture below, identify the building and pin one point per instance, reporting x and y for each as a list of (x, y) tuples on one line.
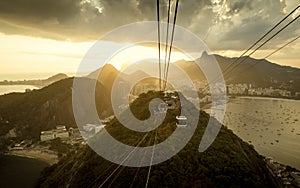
[(62, 135), (47, 135), (181, 121), (59, 132)]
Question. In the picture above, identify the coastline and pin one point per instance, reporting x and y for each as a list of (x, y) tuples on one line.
[(269, 138), (35, 154), (8, 89), (268, 98)]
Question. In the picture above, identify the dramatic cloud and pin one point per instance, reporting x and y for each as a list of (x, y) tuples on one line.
[(249, 20), (232, 24)]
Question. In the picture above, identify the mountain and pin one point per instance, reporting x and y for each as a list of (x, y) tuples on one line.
[(228, 162), (56, 78), (261, 72), (191, 69), (30, 113), (136, 75), (258, 72), (108, 73)]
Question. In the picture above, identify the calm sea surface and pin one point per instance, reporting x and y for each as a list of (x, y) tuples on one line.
[(271, 125), (4, 89), (20, 172)]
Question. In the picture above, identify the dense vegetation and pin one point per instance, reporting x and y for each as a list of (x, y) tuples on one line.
[(31, 112), (60, 147), (229, 162), (44, 109)]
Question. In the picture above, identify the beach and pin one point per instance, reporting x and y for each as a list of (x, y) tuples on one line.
[(36, 154)]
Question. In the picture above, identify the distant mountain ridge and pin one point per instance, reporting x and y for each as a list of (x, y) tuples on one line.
[(108, 73), (260, 73), (257, 72), (37, 82), (56, 77)]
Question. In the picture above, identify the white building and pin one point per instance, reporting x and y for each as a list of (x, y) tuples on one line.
[(59, 132), (47, 135)]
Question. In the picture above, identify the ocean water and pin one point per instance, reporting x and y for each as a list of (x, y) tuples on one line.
[(271, 125), (25, 76), (5, 89), (19, 172)]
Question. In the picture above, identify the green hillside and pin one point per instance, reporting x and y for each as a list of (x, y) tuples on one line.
[(44, 109), (229, 162)]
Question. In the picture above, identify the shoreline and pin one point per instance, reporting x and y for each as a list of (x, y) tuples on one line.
[(264, 150), (266, 98), (51, 159)]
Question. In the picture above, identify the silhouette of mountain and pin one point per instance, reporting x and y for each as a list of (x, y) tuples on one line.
[(258, 72), (192, 70), (108, 73), (56, 77)]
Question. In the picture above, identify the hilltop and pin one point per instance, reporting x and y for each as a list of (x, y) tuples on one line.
[(27, 114), (229, 162)]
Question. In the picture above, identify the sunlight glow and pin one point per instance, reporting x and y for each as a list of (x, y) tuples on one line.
[(136, 54)]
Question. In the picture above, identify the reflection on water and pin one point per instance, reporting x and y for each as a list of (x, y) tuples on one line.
[(5, 89), (271, 125)]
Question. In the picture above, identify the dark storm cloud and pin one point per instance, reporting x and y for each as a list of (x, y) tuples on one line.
[(240, 22), (80, 19), (236, 6), (250, 29), (252, 20), (188, 11), (48, 16), (74, 19), (40, 9), (36, 11)]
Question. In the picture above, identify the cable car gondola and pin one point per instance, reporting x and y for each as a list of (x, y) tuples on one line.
[(181, 121)]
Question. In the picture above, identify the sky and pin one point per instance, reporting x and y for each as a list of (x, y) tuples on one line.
[(46, 36)]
